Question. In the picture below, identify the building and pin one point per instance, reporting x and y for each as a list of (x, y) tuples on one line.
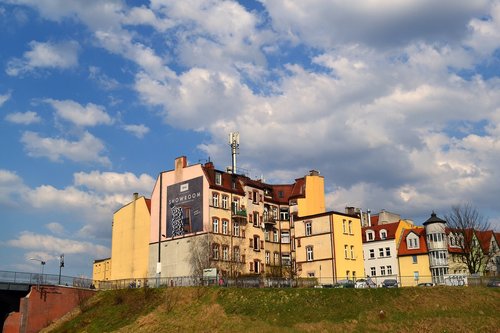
[(413, 258), (101, 270), (380, 248), (328, 247), (130, 239), (437, 245), (202, 217)]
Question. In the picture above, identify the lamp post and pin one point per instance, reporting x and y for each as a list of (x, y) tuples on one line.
[(42, 262), (61, 265)]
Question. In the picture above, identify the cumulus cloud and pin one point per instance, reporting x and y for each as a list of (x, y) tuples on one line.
[(88, 148), (112, 182), (55, 228), (88, 115), (48, 55), (103, 80), (54, 245), (25, 118), (137, 130)]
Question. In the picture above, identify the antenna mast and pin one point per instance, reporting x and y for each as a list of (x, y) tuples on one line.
[(234, 142)]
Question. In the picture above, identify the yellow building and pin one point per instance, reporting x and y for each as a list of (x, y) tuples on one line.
[(329, 247), (130, 240), (413, 258), (101, 270)]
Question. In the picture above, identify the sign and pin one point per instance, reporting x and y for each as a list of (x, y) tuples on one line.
[(185, 207)]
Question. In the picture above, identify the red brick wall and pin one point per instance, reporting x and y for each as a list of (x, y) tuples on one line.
[(43, 306)]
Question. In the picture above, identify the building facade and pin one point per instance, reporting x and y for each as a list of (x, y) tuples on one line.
[(413, 258)]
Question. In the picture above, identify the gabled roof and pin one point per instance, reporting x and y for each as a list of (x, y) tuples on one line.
[(374, 220), (403, 249), (389, 227), (484, 238), (227, 180), (148, 204), (298, 190)]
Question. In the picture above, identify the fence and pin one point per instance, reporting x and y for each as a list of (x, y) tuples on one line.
[(269, 282), (46, 279)]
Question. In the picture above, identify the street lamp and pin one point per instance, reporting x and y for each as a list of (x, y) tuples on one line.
[(42, 262), (61, 265)]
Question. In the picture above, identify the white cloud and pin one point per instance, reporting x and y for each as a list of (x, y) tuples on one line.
[(103, 80), (4, 98), (53, 246), (112, 182), (88, 148), (485, 33), (88, 115), (62, 55), (11, 188), (25, 118), (55, 228), (137, 130)]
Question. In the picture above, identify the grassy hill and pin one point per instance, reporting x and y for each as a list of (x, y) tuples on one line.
[(437, 309)]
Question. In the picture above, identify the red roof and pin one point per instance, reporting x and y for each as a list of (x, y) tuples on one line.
[(374, 220), (484, 238), (403, 246), (148, 204), (389, 227)]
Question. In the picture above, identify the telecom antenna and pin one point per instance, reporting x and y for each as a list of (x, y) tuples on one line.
[(234, 142)]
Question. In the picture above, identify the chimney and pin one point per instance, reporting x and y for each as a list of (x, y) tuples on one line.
[(209, 165), (180, 162), (314, 173), (136, 196)]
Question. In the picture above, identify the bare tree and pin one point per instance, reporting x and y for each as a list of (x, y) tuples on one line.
[(199, 254), (467, 226)]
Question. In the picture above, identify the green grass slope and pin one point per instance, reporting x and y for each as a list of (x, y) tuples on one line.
[(439, 309)]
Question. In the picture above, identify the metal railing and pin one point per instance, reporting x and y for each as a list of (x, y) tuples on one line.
[(45, 279)]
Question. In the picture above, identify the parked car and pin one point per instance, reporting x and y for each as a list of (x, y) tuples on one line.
[(344, 284), (494, 283), (327, 285), (390, 283), (365, 283), (425, 284)]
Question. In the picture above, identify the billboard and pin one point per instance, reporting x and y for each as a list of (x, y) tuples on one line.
[(185, 207)]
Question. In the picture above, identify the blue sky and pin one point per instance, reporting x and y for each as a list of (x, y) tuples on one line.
[(397, 104)]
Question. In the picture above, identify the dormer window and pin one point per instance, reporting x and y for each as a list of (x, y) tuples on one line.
[(412, 242), (383, 234), (370, 235), (218, 178)]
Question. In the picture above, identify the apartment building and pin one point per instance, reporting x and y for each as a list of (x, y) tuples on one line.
[(413, 258), (328, 247), (201, 216)]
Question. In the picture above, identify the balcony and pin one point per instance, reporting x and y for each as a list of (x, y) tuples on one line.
[(269, 220), (240, 214)]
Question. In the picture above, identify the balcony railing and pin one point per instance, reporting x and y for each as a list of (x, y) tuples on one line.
[(241, 213)]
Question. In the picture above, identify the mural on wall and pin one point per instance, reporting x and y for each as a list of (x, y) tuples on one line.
[(185, 207)]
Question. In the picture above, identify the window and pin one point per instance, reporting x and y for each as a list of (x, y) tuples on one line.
[(414, 259), (225, 226), (381, 252), (350, 227), (369, 235), (266, 235), (275, 236), (347, 274), (285, 237), (236, 229), (373, 271), (236, 206), (382, 270), (215, 225), (415, 275), (215, 251), (255, 196), (225, 252), (284, 215), (218, 178), (256, 243), (387, 252), (255, 219), (298, 242), (281, 194), (268, 257), (276, 258), (352, 252), (215, 199), (383, 234), (308, 228), (309, 253), (389, 270), (311, 274), (344, 228), (372, 253), (412, 243), (354, 275), (346, 252), (236, 254), (285, 259), (225, 200), (256, 265)]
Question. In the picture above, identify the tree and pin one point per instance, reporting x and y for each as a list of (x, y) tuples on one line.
[(466, 229), (199, 254)]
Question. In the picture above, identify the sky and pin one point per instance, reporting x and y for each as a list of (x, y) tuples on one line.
[(396, 103)]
